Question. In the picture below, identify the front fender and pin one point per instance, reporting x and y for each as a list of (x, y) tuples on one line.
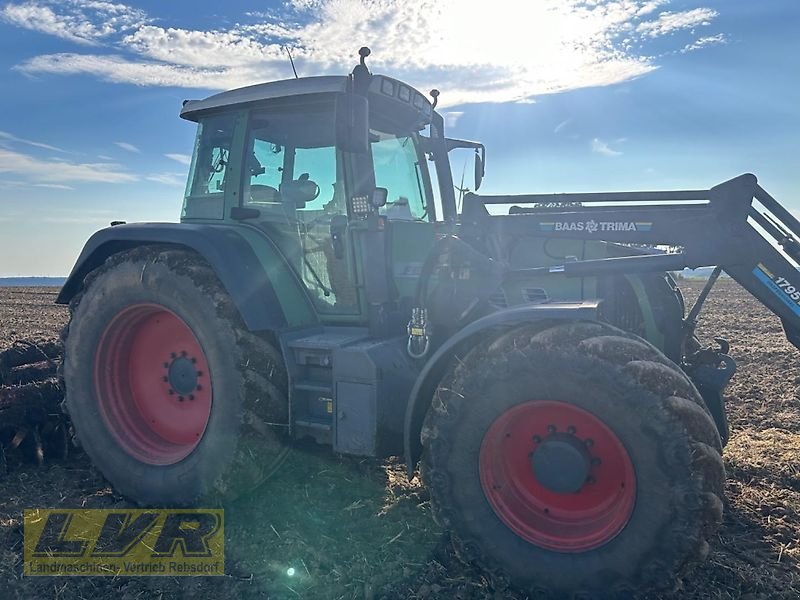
[(260, 282), (425, 385)]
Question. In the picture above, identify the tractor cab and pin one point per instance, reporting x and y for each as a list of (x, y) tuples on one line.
[(326, 166)]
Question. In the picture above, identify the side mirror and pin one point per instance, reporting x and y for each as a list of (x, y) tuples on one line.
[(479, 170), (379, 197), (352, 123)]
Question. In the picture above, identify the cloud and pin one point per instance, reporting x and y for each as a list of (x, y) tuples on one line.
[(649, 7), (184, 159), (117, 69), (601, 147), (128, 147), (705, 42), (452, 117), (210, 49), (54, 186), (10, 137), (170, 179), (562, 126), (471, 55), (669, 22), (83, 22), (36, 170)]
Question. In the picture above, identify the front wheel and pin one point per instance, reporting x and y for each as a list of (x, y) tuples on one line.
[(170, 396), (575, 458)]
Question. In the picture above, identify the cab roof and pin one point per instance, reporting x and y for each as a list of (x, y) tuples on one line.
[(265, 91)]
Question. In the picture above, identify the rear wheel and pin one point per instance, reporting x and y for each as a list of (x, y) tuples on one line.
[(171, 397), (576, 458)]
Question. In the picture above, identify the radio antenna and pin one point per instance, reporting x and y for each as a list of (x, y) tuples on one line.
[(291, 60)]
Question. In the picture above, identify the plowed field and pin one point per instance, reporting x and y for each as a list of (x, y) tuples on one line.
[(330, 527)]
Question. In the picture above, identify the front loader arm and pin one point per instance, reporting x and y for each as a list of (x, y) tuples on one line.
[(716, 227)]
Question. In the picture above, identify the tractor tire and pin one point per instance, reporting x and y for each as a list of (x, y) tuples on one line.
[(172, 398), (575, 459)]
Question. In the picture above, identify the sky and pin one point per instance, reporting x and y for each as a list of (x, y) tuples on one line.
[(567, 95)]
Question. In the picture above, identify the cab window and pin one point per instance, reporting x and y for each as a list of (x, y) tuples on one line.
[(397, 168), (209, 173), (271, 165)]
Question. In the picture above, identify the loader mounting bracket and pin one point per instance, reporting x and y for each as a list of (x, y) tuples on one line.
[(710, 369)]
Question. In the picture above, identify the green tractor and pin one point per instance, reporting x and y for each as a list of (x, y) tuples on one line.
[(531, 354)]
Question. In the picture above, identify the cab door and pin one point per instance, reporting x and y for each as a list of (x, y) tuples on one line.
[(400, 167), (291, 149)]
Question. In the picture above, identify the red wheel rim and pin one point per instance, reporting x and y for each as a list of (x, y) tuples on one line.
[(152, 384), (587, 516)]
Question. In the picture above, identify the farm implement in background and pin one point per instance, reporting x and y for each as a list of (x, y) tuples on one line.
[(539, 366), (31, 418)]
